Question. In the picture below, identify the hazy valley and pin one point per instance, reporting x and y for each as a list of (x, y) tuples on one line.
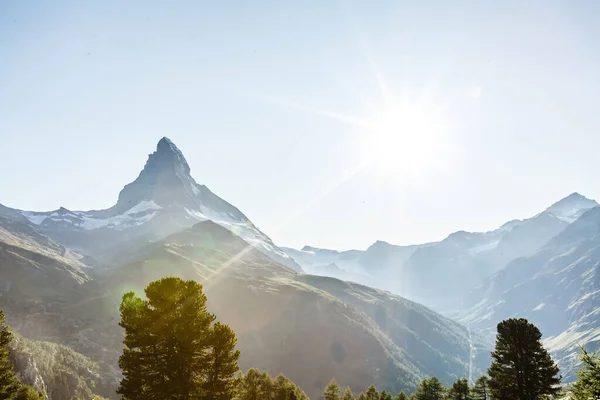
[(309, 313)]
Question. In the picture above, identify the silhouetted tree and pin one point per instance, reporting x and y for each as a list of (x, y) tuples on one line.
[(521, 368), (172, 350), (481, 389), (588, 378), (459, 390)]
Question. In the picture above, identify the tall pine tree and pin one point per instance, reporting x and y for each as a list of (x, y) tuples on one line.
[(9, 384), (481, 389), (521, 368), (172, 350)]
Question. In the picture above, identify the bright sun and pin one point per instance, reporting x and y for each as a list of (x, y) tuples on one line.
[(402, 139)]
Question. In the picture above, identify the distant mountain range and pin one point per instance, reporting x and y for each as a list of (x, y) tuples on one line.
[(545, 268), (64, 272)]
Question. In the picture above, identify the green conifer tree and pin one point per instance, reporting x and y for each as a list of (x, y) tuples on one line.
[(372, 393), (332, 391), (171, 347), (588, 378), (401, 396), (254, 385), (348, 395), (521, 368), (430, 389), (481, 389), (9, 384), (459, 390), (223, 363), (384, 395)]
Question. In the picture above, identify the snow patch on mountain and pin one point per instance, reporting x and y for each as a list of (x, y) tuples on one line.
[(136, 215), (571, 207), (484, 247)]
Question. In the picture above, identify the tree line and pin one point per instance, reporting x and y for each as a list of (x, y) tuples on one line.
[(176, 350)]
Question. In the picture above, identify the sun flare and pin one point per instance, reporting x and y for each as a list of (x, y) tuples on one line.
[(402, 139)]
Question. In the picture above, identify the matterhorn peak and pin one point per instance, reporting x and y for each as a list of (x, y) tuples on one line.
[(168, 154)]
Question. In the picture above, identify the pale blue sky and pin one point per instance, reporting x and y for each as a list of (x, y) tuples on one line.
[(88, 88)]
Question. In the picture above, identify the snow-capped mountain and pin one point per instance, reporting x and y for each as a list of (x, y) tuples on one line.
[(164, 199)]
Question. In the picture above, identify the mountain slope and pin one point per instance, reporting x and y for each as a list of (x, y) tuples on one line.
[(310, 328), (557, 288), (164, 199)]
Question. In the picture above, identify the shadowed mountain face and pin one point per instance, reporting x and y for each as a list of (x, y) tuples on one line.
[(164, 199), (310, 328)]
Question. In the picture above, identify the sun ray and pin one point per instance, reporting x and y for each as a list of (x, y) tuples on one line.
[(313, 110)]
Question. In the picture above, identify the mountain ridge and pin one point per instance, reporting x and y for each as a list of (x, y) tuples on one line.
[(162, 200)]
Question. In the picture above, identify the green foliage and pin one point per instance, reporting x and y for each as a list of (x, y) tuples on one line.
[(9, 384), (401, 396), (385, 395), (348, 395), (588, 378), (521, 368), (223, 363), (65, 373), (372, 393), (362, 396), (171, 345), (459, 390), (256, 385), (332, 391), (27, 393), (481, 389), (429, 389)]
